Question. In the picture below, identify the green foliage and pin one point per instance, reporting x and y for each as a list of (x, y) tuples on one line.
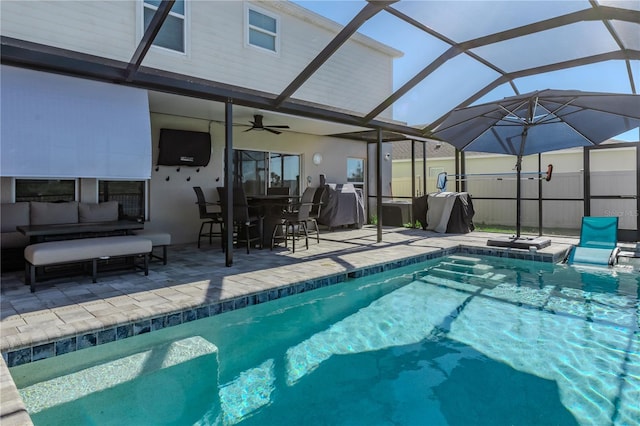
[(414, 225)]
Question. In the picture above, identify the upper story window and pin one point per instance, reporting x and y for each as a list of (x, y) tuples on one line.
[(172, 34), (262, 29)]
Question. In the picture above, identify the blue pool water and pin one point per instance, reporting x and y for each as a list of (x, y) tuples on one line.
[(454, 341)]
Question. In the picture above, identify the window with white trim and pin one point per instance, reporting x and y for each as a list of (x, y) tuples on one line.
[(172, 34), (262, 29)]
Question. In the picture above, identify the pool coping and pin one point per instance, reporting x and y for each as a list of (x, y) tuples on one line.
[(74, 342)]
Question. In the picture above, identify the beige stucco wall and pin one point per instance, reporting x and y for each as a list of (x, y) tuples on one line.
[(356, 78), (172, 205)]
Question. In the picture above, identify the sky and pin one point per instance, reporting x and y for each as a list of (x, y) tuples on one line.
[(462, 76)]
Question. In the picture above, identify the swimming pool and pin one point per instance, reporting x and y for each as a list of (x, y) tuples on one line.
[(458, 340)]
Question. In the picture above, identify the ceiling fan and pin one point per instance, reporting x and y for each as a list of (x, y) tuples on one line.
[(257, 124)]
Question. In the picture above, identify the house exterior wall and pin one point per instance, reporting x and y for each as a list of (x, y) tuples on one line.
[(216, 51), (356, 78), (173, 202), (101, 28), (171, 199)]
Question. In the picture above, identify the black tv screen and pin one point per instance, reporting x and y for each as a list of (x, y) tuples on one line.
[(184, 148)]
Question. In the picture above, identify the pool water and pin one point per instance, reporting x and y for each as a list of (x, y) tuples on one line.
[(454, 341)]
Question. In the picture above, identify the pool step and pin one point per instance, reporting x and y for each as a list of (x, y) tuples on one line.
[(463, 276), (442, 281), (464, 260), (113, 373), (475, 268), (441, 272), (460, 269), (463, 269)]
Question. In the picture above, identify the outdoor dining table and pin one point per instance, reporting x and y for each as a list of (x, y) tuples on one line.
[(271, 208), (40, 233)]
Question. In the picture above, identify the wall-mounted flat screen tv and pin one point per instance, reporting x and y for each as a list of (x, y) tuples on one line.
[(184, 148)]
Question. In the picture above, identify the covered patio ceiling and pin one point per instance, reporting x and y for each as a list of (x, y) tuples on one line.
[(455, 53)]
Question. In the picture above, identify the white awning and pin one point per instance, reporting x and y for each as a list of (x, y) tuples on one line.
[(55, 126)]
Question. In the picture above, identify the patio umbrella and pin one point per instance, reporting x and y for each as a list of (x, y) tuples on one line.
[(540, 121)]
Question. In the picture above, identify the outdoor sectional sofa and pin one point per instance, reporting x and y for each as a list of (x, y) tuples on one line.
[(70, 250), (43, 213)]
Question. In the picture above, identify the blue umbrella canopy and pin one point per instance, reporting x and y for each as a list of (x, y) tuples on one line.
[(540, 121)]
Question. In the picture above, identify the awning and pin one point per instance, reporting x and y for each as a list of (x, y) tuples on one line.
[(63, 127)]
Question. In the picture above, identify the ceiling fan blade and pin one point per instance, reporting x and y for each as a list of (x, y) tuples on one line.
[(248, 130), (272, 131), (278, 127)]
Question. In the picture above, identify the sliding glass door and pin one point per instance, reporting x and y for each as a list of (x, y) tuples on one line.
[(258, 170), (250, 170), (284, 171)]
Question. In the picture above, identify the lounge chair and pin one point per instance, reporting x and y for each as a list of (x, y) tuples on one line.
[(598, 242)]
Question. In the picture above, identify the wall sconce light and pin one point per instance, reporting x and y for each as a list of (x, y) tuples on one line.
[(317, 158), (387, 156)]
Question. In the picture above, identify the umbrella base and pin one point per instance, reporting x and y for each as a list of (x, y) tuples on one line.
[(519, 243)]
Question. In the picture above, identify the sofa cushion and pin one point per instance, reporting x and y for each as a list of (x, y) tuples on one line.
[(85, 249), (98, 212), (53, 213), (12, 215), (10, 240)]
